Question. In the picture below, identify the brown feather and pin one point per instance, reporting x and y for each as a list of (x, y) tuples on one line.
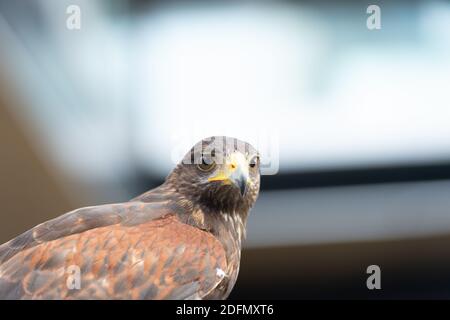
[(152, 260), (181, 240)]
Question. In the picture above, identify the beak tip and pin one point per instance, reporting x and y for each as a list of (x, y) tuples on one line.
[(242, 187)]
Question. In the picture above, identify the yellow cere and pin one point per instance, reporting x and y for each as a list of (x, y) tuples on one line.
[(235, 161)]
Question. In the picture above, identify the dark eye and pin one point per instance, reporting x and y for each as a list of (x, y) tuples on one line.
[(206, 165), (254, 162)]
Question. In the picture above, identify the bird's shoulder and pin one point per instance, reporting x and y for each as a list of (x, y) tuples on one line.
[(130, 250), (84, 219)]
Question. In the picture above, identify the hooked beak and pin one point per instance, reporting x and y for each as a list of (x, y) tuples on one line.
[(234, 171)]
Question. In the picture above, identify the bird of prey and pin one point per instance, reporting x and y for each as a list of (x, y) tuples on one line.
[(181, 240)]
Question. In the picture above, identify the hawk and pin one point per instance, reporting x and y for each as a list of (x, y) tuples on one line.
[(181, 240)]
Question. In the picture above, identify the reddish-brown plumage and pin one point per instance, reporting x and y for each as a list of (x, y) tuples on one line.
[(120, 262), (169, 243)]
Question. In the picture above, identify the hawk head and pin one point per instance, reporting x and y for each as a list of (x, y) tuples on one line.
[(220, 173)]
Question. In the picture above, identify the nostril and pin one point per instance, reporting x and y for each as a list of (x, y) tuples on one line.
[(233, 166)]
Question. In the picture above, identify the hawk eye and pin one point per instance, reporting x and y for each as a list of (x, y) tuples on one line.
[(206, 165), (254, 161)]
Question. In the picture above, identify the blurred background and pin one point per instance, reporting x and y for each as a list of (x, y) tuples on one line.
[(357, 122)]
